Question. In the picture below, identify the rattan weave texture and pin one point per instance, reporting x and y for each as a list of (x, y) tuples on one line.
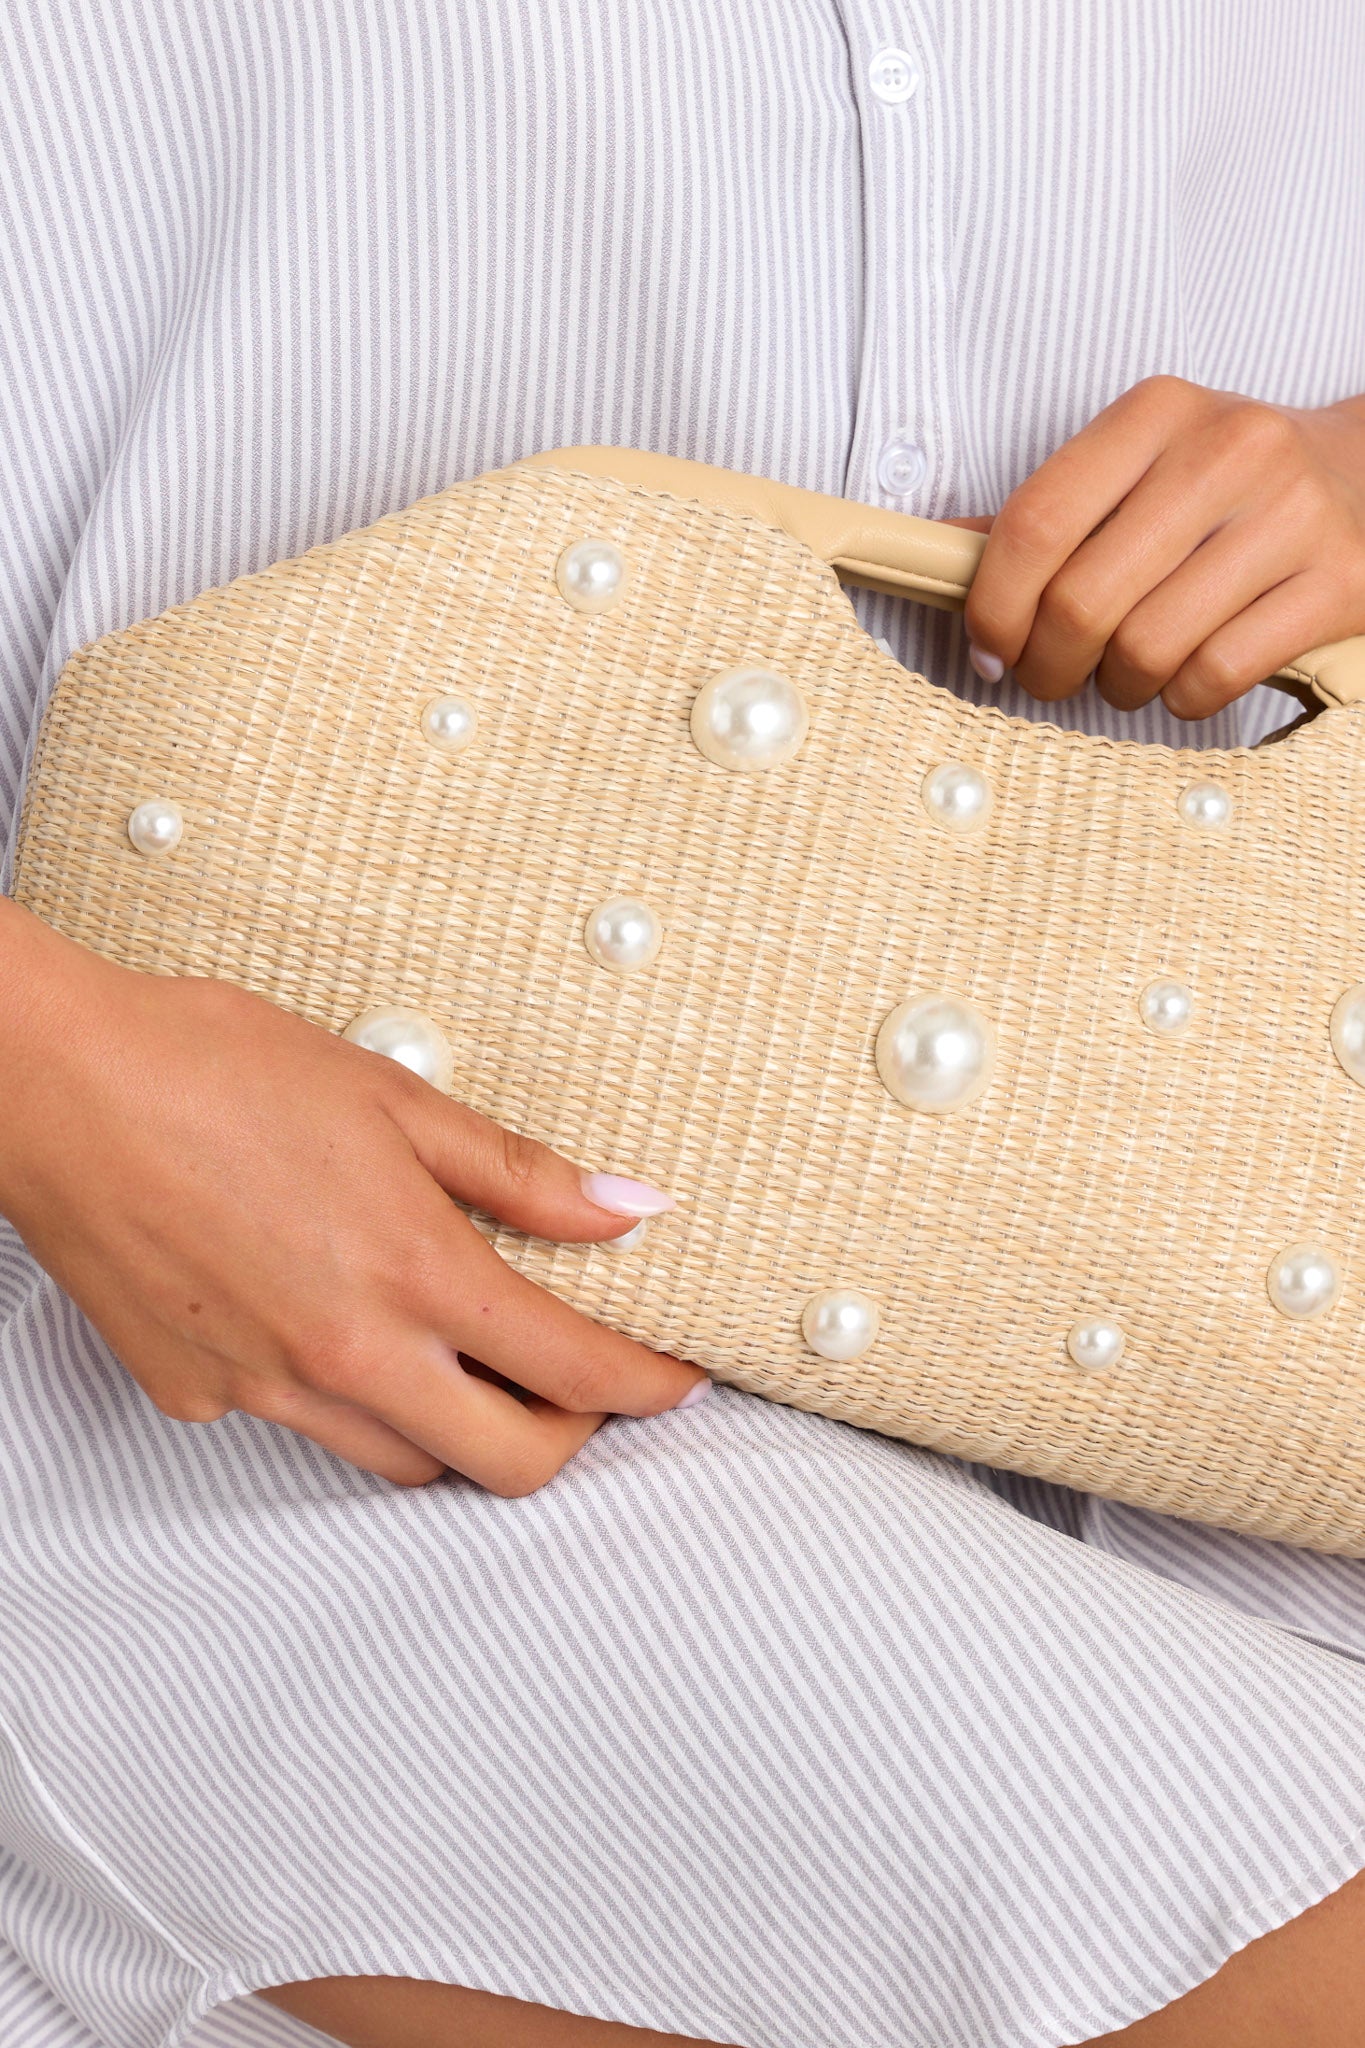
[(333, 860)]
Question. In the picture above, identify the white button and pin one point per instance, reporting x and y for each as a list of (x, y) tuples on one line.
[(901, 467), (893, 76)]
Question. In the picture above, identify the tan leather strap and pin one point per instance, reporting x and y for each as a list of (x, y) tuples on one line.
[(890, 551)]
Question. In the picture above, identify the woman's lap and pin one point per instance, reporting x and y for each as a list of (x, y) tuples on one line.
[(749, 1726)]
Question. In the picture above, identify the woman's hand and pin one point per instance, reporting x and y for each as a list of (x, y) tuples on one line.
[(257, 1215), (1186, 544)]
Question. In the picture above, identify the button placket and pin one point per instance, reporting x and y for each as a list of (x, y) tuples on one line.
[(905, 423)]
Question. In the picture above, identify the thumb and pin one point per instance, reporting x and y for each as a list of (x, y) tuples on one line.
[(518, 1180)]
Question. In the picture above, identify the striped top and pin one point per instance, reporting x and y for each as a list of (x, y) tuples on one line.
[(748, 1726)]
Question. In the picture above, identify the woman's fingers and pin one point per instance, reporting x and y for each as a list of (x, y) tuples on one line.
[(1159, 524), (416, 1384), (347, 1431), (1151, 584), (1262, 638), (481, 1306), (1050, 515), (190, 1383), (516, 1179), (1143, 540), (1162, 629)]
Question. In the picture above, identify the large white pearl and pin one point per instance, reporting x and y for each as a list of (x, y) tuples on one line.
[(935, 1052), (408, 1037), (449, 723), (1348, 1031), (956, 796), (591, 575), (840, 1324), (1095, 1343), (627, 1240), (623, 934), (156, 826), (1303, 1281), (1166, 1007), (749, 718), (1206, 804)]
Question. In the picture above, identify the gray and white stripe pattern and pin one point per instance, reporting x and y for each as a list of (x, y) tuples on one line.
[(749, 1726)]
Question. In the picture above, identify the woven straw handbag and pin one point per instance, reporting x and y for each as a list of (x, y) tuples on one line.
[(1013, 1080)]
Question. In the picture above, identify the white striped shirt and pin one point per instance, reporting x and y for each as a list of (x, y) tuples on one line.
[(749, 1726)]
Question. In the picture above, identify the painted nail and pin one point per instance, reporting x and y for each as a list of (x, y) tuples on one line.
[(989, 667), (622, 1197), (694, 1394)]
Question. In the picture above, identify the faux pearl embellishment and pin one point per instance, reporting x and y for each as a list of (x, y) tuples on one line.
[(1348, 1031), (1206, 804), (627, 1241), (156, 827), (449, 723), (749, 719), (1303, 1281), (591, 575), (956, 797), (623, 934), (1166, 1007), (840, 1324), (1094, 1344), (935, 1052), (408, 1037)]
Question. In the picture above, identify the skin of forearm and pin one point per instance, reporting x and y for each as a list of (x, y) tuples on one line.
[(40, 1020)]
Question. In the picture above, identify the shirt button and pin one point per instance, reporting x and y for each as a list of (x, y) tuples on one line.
[(893, 76), (901, 467)]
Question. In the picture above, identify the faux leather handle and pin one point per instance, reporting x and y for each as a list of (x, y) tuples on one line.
[(890, 551)]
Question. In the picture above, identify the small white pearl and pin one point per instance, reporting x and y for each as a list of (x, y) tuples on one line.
[(935, 1052), (156, 826), (1205, 803), (626, 1243), (591, 575), (840, 1324), (1094, 1343), (449, 723), (1348, 1031), (408, 1037), (623, 934), (749, 718), (956, 796), (1166, 1007), (1303, 1281)]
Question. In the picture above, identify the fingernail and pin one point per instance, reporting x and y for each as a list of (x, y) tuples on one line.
[(989, 667), (622, 1197), (628, 1239), (694, 1394)]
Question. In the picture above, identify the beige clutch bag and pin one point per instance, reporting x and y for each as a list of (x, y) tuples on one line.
[(1013, 1080)]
